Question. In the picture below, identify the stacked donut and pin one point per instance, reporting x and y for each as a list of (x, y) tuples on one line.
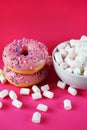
[(25, 62)]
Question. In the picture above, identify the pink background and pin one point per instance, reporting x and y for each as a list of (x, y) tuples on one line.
[(51, 22)]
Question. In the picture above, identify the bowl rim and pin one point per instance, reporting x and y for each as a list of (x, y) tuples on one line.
[(54, 50)]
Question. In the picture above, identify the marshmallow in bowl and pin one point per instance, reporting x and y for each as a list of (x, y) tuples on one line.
[(72, 56)]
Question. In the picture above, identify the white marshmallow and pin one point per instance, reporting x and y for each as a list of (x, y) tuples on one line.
[(72, 91), (1, 72), (64, 65), (74, 63), (45, 88), (63, 53), (36, 96), (82, 52), (83, 38), (77, 71), (42, 107), (58, 57), (61, 84), (36, 118), (17, 103), (48, 94), (35, 88), (71, 53), (12, 95), (85, 73), (1, 105), (69, 69), (67, 48), (2, 79), (80, 58), (61, 46), (4, 93), (67, 104), (25, 91), (72, 42)]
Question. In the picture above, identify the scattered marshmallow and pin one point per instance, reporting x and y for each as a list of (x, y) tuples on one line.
[(1, 105), (25, 91), (48, 94), (36, 118), (45, 88), (61, 84), (36, 96), (17, 103), (35, 89), (72, 91), (4, 93), (67, 104), (42, 107), (1, 72), (12, 95), (2, 79)]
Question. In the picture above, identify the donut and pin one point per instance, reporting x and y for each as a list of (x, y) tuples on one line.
[(25, 56), (25, 80)]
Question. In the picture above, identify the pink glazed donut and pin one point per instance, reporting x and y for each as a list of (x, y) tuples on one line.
[(25, 80), (26, 56)]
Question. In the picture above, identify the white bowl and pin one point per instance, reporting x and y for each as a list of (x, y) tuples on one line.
[(77, 81)]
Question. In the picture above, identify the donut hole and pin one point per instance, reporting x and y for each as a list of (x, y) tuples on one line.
[(24, 52)]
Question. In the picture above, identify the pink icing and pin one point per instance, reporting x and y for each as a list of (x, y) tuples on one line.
[(26, 79), (25, 54)]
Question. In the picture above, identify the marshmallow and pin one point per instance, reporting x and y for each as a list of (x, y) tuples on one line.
[(36, 96), (64, 65), (83, 38), (1, 105), (74, 63), (42, 107), (67, 104), (25, 91), (36, 118), (48, 94), (17, 103), (67, 48), (1, 72), (72, 42), (77, 71), (71, 53), (80, 58), (35, 88), (61, 46), (63, 53), (45, 88), (85, 73), (61, 84), (2, 79), (72, 91), (12, 95), (69, 69), (4, 93), (58, 57)]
